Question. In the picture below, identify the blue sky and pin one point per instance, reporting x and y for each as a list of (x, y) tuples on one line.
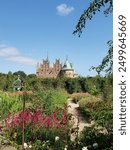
[(29, 29)]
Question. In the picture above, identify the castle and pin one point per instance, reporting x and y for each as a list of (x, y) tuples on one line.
[(45, 70)]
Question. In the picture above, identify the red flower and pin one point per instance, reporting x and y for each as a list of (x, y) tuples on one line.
[(36, 118)]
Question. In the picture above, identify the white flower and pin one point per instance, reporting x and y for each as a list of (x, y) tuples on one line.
[(57, 138), (95, 145), (30, 146), (85, 148), (65, 147), (25, 145)]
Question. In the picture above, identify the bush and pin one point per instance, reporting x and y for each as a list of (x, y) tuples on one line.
[(103, 114), (98, 110), (86, 105), (93, 135), (87, 101), (76, 97), (102, 131)]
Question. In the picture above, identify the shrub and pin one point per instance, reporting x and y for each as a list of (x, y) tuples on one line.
[(99, 110), (93, 135), (76, 97), (102, 131), (103, 114), (87, 101), (86, 105)]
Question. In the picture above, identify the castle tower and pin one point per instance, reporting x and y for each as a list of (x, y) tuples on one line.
[(57, 66), (67, 70), (45, 70)]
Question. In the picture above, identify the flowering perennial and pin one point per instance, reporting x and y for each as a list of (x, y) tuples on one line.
[(28, 116)]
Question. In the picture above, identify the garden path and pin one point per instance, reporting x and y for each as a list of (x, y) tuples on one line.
[(77, 119)]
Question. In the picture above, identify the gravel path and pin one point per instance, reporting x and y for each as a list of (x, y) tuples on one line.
[(77, 119)]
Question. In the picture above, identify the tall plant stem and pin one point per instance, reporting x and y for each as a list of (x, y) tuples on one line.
[(23, 123)]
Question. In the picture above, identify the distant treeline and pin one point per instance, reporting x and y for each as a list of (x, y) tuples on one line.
[(94, 85)]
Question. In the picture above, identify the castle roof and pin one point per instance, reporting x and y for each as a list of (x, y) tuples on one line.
[(67, 66)]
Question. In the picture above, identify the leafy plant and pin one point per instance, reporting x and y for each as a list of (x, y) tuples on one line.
[(9, 104), (38, 126)]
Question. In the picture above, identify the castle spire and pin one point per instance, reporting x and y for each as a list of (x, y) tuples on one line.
[(47, 56), (66, 57)]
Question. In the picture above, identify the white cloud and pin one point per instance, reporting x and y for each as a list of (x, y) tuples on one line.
[(12, 54), (22, 60), (64, 10), (8, 51)]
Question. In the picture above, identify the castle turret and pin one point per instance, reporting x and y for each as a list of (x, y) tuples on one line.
[(67, 70)]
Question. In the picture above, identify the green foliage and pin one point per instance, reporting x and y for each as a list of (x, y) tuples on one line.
[(83, 84), (9, 104), (6, 81), (103, 114), (85, 101), (107, 62), (58, 98), (94, 7), (107, 91), (86, 104), (49, 100), (93, 135), (101, 86), (50, 95), (98, 110), (93, 85), (41, 145), (35, 132), (31, 76), (21, 73), (102, 131), (72, 85)]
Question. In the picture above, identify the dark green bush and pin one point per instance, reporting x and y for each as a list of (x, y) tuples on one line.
[(92, 135)]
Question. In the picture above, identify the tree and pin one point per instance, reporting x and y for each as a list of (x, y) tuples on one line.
[(31, 75), (21, 73), (95, 6), (107, 62)]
